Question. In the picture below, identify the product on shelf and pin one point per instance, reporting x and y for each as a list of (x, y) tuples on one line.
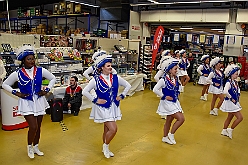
[(55, 41), (7, 48)]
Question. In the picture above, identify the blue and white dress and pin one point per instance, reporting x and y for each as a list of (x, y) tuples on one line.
[(232, 92), (106, 87), (183, 66), (170, 87), (215, 77), (30, 82), (203, 69)]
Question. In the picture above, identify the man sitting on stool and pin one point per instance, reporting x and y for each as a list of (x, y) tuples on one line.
[(73, 97)]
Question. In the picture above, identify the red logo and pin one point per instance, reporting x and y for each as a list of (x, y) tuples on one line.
[(15, 109), (156, 43)]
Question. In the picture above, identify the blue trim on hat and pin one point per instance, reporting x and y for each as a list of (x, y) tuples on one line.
[(24, 54), (205, 58), (102, 62), (233, 71), (174, 63)]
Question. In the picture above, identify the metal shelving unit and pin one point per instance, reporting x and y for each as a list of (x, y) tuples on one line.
[(29, 20)]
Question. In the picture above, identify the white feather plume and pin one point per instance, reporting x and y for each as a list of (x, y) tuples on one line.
[(214, 61)]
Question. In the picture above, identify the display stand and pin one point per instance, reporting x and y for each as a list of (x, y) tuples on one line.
[(9, 106)]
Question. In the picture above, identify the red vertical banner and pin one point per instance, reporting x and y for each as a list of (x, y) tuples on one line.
[(156, 42)]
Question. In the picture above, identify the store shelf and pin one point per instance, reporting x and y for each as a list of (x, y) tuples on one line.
[(4, 21)]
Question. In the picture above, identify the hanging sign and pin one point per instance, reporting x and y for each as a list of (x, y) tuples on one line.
[(216, 39), (189, 37), (176, 37), (202, 38), (156, 42), (230, 39), (244, 41)]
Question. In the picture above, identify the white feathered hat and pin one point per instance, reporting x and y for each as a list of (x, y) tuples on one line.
[(165, 52), (163, 59), (169, 64), (24, 51), (204, 57), (97, 54), (101, 60), (177, 51), (182, 51), (214, 61), (231, 69)]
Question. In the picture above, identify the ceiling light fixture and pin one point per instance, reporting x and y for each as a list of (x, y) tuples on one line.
[(182, 2), (186, 28), (84, 3), (218, 29)]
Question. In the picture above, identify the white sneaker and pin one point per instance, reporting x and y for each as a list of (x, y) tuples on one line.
[(106, 150), (229, 130), (215, 111), (224, 132), (202, 98), (205, 97), (172, 139), (163, 116), (212, 113), (37, 151), (166, 140), (182, 89), (110, 153), (30, 151)]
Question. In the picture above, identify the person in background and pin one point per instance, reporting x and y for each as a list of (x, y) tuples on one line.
[(2, 75), (32, 102), (73, 97), (215, 79), (231, 103), (190, 69), (106, 107), (92, 69), (204, 70), (169, 104), (182, 73)]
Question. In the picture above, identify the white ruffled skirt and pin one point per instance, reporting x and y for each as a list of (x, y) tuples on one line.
[(36, 107), (203, 80), (166, 107), (212, 89), (229, 106), (182, 73), (100, 114)]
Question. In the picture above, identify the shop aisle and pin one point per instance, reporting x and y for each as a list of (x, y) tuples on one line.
[(138, 140)]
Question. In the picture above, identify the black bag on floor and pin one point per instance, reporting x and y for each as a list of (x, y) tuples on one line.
[(56, 108)]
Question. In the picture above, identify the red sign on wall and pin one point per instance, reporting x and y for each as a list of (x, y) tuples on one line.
[(156, 42)]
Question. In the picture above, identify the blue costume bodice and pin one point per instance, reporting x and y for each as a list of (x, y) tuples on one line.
[(206, 70), (217, 79), (233, 91), (183, 64), (108, 93), (170, 89), (28, 85)]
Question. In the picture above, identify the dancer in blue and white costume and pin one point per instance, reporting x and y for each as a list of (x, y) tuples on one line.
[(169, 104), (215, 79), (106, 107), (231, 103), (32, 102), (92, 69), (204, 70), (182, 72)]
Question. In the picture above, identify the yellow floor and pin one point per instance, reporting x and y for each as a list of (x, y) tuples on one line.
[(138, 140)]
